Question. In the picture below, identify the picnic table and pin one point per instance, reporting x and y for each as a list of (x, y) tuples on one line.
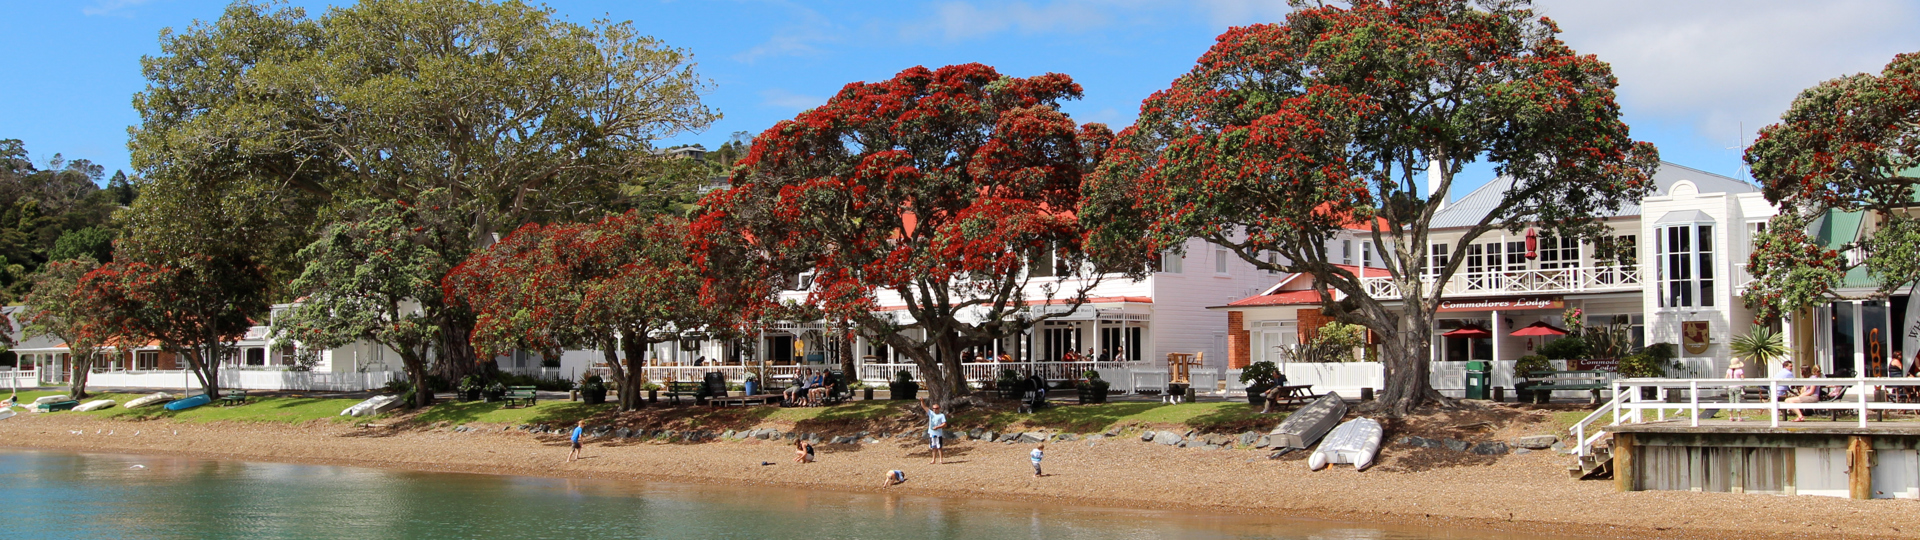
[(1539, 385), (1292, 394)]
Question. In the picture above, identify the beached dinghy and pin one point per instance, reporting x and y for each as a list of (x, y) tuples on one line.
[(1356, 442), (1307, 425), (50, 399), (57, 406), (7, 413), (189, 402), (372, 406), (94, 405), (150, 399)]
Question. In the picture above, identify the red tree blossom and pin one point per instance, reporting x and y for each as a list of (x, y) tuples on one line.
[(195, 306), (942, 188), (1284, 135), (619, 285)]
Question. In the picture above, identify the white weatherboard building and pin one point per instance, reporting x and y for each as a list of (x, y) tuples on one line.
[(1676, 278)]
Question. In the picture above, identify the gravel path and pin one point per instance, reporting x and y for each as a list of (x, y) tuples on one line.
[(1527, 493)]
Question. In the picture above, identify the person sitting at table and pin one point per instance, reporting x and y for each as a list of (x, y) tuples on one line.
[(1808, 394), (793, 392), (1278, 391), (823, 384)]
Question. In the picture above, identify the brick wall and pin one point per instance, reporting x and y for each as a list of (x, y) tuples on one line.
[(1311, 319), (1239, 350)]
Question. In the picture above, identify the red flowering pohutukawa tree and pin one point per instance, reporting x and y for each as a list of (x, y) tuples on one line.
[(195, 305), (620, 285), (1846, 145), (950, 192), (1284, 135)]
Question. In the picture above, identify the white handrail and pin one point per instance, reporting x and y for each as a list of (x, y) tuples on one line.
[(1581, 440), (1627, 397)]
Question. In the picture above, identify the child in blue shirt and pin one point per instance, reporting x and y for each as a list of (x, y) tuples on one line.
[(1038, 452), (577, 429)]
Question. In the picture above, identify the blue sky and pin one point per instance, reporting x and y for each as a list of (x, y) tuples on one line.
[(1697, 77)]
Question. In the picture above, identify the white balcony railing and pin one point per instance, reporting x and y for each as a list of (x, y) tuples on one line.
[(1558, 280)]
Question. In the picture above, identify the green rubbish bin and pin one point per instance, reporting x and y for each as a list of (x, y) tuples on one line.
[(1478, 376)]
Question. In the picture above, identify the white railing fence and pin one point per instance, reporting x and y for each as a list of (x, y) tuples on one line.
[(19, 378), (987, 371), (1588, 278), (1688, 397)]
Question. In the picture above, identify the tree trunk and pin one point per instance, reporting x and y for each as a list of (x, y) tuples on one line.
[(847, 352), (933, 376), (1405, 357), (950, 356), (208, 371), (82, 365), (457, 359), (416, 367), (631, 376)]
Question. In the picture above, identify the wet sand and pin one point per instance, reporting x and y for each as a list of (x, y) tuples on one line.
[(1522, 493)]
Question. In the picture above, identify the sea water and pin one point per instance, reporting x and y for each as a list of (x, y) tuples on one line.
[(74, 495)]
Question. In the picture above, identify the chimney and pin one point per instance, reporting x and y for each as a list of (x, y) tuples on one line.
[(1433, 181)]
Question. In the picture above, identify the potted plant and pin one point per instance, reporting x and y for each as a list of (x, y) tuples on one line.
[(1650, 362), (1008, 385), (903, 386), (593, 391), (495, 391), (750, 384), (1259, 378), (470, 387), (1092, 390), (1528, 364)]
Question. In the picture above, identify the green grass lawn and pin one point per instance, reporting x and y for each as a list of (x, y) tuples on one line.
[(544, 412), (1219, 417), (286, 410)]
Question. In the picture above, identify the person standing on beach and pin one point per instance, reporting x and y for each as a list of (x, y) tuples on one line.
[(577, 430), (1039, 451), (936, 428)]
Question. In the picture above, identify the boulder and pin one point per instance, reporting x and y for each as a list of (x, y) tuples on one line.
[(1033, 437), (1536, 442), (1490, 448), (1148, 436), (1069, 437), (974, 433), (1419, 442), (1454, 445), (1265, 441), (729, 434), (763, 434), (1166, 437), (989, 436), (1218, 440), (1248, 438)]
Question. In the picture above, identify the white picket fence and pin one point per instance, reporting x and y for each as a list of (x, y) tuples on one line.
[(248, 379)]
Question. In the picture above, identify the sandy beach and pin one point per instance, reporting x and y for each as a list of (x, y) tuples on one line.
[(1411, 486)]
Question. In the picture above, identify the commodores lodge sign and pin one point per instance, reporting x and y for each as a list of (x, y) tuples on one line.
[(1503, 304)]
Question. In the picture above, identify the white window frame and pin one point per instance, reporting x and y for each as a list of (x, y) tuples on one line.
[(1221, 262), (1683, 262), (1172, 262)]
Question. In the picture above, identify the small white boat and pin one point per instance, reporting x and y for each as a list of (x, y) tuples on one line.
[(50, 399), (155, 398), (7, 413), (94, 405), (372, 406), (1357, 441)]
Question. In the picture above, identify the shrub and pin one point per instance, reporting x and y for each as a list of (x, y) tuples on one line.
[(1531, 363), (905, 376), (1262, 373), (1565, 348), (1652, 361)]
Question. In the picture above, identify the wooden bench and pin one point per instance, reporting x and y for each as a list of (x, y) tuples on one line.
[(1538, 386), (233, 397), (743, 401), (679, 389), (526, 395)]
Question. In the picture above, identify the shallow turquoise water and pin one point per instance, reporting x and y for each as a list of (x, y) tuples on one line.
[(68, 495)]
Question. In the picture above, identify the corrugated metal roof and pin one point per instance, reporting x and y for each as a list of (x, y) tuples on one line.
[(1469, 210), (1684, 216)]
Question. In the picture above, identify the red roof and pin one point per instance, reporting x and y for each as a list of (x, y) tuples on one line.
[(1273, 297), (1289, 298)]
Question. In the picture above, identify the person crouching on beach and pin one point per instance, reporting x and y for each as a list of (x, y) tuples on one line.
[(577, 430), (1039, 451), (894, 477), (802, 451)]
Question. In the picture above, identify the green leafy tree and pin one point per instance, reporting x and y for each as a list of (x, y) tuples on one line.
[(1845, 145), (55, 311), (521, 116), (372, 276), (90, 242), (1285, 135)]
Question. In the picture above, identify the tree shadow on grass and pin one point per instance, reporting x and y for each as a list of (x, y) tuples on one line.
[(852, 416), (1077, 418), (1236, 420)]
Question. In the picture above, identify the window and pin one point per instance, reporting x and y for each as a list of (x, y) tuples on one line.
[(1040, 263), (1170, 262), (1559, 253), (1346, 252), (1366, 254), (1483, 266), (256, 357), (1617, 250), (1516, 256), (1437, 259), (1274, 261), (1684, 256), (1220, 261), (146, 360)]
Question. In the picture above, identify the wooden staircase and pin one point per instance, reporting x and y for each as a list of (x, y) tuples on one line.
[(1598, 463)]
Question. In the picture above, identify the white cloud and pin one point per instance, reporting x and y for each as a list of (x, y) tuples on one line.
[(1716, 64), (800, 38), (781, 98), (113, 8)]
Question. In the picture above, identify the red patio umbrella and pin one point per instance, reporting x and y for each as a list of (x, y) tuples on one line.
[(1533, 245), (1470, 332), (1538, 329)]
